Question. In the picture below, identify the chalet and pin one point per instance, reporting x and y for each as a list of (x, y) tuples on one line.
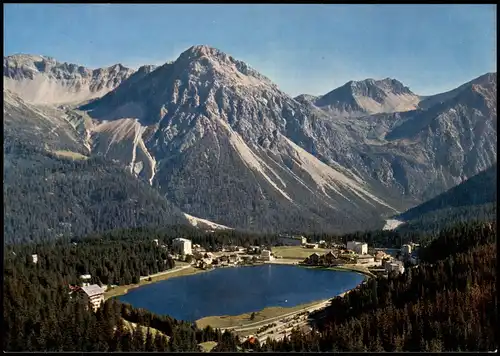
[(313, 259), (312, 246), (329, 258), (34, 258), (155, 241)]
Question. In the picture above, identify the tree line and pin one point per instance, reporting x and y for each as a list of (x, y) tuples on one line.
[(40, 314), (447, 303)]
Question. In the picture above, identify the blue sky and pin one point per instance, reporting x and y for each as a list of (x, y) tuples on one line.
[(302, 48)]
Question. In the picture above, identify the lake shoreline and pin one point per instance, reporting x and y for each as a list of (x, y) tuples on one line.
[(180, 271), (165, 275), (217, 321), (240, 320)]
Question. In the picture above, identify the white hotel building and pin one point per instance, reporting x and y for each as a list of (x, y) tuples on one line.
[(182, 246)]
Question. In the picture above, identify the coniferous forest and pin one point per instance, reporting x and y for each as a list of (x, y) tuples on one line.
[(446, 303)]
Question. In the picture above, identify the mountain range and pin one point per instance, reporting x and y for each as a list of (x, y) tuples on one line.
[(222, 142)]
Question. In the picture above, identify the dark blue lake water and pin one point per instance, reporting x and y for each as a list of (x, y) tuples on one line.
[(239, 290)]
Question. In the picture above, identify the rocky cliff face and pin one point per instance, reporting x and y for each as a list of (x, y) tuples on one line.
[(43, 80), (223, 143)]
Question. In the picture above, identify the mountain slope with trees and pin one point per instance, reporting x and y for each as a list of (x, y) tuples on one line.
[(46, 196)]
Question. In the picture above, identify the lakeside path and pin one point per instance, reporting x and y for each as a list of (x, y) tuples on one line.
[(178, 271), (307, 308), (175, 269), (242, 323)]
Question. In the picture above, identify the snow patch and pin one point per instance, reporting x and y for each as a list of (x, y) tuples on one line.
[(392, 224), (194, 221)]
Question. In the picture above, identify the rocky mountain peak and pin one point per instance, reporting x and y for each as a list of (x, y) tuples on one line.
[(378, 89), (211, 63), (369, 96)]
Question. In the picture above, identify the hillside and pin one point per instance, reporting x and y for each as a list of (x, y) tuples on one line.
[(46, 196), (476, 191), (52, 320), (447, 303), (223, 143)]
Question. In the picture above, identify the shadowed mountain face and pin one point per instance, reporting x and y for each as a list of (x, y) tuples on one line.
[(478, 190), (222, 142)]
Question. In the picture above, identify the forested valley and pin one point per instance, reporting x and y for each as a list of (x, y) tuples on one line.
[(447, 303)]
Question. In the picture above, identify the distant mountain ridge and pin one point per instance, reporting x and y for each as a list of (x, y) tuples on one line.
[(224, 143), (366, 97), (43, 80)]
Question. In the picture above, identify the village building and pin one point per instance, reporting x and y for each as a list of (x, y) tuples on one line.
[(234, 258), (329, 258), (95, 295), (311, 245), (266, 255), (313, 259), (253, 249), (365, 259), (360, 248), (85, 278), (380, 255), (394, 266), (34, 257), (182, 246), (322, 244)]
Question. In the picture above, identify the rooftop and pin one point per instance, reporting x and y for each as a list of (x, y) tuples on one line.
[(92, 290)]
